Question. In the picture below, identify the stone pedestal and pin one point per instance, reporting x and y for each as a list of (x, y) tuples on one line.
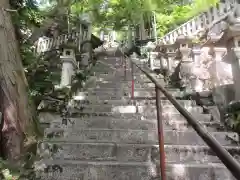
[(68, 67), (196, 84), (85, 57), (186, 66), (170, 60), (218, 73), (185, 50), (196, 52), (236, 72), (234, 33)]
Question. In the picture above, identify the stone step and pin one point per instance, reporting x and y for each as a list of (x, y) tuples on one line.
[(111, 170), (143, 106), (108, 84), (141, 116), (131, 152), (129, 75), (115, 81), (144, 103), (138, 95), (107, 63), (153, 94), (135, 136), (148, 89), (120, 74), (138, 78), (139, 102), (110, 64), (171, 119), (120, 79), (126, 109), (144, 85), (127, 88), (168, 109), (84, 170), (113, 123), (106, 68), (101, 95)]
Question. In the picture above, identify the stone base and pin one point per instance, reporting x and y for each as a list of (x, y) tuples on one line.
[(108, 170)]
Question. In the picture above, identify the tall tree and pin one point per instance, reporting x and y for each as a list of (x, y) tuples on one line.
[(13, 88)]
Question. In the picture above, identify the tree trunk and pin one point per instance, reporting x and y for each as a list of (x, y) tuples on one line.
[(13, 89)]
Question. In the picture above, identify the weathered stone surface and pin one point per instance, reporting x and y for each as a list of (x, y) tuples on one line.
[(108, 170), (168, 118), (101, 171), (114, 123), (130, 123), (168, 109), (136, 136), (127, 101), (115, 138), (108, 95), (136, 152), (129, 109), (215, 112), (196, 171)]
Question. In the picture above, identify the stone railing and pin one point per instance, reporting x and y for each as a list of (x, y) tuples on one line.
[(46, 44), (200, 22), (209, 48)]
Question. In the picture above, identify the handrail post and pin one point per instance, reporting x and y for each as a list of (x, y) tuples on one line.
[(160, 134), (125, 68), (132, 80)]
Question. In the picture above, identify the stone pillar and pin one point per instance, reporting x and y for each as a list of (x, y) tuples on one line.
[(114, 35), (196, 52), (236, 67), (69, 65), (217, 72), (186, 66), (219, 92), (102, 35), (196, 83), (234, 58), (185, 50), (170, 60)]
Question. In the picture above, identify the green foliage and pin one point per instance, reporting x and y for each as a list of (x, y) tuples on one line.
[(24, 169), (120, 13), (26, 17), (176, 15)]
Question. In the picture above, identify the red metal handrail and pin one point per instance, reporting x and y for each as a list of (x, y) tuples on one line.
[(160, 134), (232, 165)]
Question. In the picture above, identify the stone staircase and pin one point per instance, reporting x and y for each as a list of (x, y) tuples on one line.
[(112, 137)]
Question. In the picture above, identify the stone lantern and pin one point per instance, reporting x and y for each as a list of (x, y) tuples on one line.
[(196, 52), (236, 66), (152, 61), (69, 64), (170, 58), (185, 44)]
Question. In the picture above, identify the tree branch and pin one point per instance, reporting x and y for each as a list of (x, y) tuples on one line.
[(58, 11)]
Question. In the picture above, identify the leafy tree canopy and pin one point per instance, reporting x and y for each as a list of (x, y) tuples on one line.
[(120, 13)]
